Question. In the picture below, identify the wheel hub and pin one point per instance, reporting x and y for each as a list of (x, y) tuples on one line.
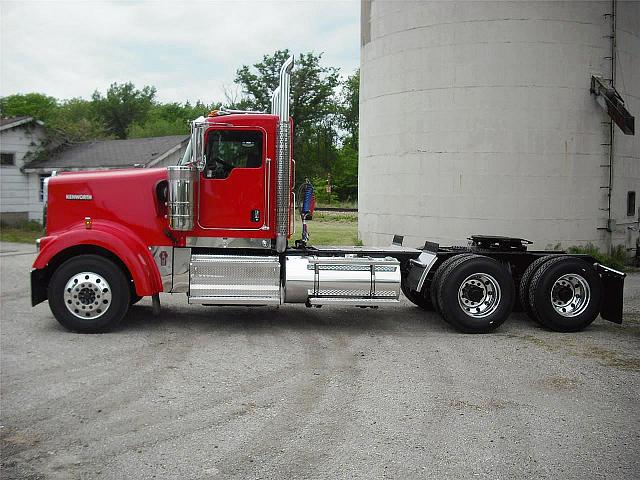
[(570, 295), (474, 293), (87, 295), (479, 295)]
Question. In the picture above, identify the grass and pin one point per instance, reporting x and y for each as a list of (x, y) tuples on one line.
[(28, 232), (340, 217), (338, 204), (333, 229)]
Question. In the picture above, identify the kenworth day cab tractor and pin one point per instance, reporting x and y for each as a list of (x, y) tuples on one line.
[(217, 227)]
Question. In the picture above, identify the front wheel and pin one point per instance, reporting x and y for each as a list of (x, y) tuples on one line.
[(476, 294), (89, 294)]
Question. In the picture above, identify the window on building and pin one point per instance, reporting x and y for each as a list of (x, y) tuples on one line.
[(42, 177), (631, 204), (7, 159)]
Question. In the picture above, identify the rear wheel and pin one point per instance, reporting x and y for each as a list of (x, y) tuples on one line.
[(565, 294), (417, 298), (89, 294), (525, 283), (433, 290), (476, 294)]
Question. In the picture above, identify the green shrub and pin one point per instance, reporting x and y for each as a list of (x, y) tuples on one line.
[(618, 258)]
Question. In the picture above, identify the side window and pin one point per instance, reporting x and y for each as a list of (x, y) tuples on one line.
[(229, 149)]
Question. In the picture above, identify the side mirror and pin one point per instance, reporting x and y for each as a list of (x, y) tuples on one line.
[(197, 143)]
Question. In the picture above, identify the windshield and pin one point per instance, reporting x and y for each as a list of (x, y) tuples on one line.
[(186, 158)]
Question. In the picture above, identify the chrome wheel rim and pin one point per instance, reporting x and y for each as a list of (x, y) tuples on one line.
[(570, 295), (479, 295), (87, 295)]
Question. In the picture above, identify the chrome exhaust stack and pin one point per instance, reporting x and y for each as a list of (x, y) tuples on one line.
[(280, 107)]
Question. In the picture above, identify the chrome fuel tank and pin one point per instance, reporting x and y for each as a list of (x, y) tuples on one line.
[(349, 280)]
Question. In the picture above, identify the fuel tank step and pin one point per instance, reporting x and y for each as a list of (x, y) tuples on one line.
[(234, 280)]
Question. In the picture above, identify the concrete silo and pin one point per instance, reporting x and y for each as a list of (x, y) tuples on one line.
[(477, 117)]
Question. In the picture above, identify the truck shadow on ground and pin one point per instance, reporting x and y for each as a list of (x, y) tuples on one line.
[(406, 319)]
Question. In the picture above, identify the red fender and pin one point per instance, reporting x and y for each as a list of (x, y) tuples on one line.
[(115, 238)]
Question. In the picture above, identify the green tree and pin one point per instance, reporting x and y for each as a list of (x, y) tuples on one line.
[(345, 173), (313, 103), (349, 109), (312, 86), (67, 120), (157, 127), (78, 121), (169, 119), (37, 105), (122, 106)]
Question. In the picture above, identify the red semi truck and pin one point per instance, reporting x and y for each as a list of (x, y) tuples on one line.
[(217, 226)]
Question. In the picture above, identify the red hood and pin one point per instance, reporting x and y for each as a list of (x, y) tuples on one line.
[(126, 196)]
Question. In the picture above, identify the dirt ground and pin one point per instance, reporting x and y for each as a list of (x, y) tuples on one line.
[(267, 393)]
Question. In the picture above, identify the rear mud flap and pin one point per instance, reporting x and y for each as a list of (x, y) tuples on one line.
[(612, 293)]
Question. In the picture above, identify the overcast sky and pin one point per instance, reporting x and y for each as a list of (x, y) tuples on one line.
[(187, 50)]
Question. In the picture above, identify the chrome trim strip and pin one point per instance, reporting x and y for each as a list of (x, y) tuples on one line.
[(351, 260), (234, 300), (228, 242), (358, 302), (267, 191), (610, 270), (199, 179), (427, 260)]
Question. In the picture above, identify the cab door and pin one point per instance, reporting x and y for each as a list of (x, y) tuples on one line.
[(233, 184)]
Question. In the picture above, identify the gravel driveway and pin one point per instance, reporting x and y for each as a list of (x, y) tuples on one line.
[(212, 392)]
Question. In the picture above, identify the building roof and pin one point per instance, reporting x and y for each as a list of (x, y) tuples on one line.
[(111, 154), (13, 122)]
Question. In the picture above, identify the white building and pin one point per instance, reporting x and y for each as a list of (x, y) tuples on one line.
[(20, 194), (477, 117)]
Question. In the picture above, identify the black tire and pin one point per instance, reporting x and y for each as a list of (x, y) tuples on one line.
[(543, 285), (134, 299), (117, 293), (460, 273), (433, 289), (525, 282), (417, 298)]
